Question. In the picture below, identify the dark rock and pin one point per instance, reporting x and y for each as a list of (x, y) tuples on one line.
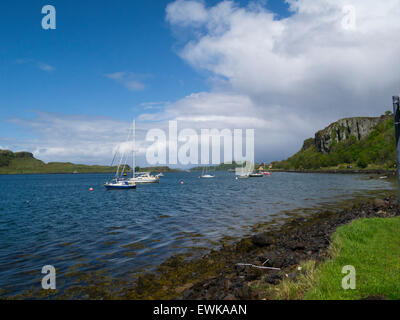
[(273, 277), (380, 203), (292, 275), (262, 239), (274, 259), (289, 260), (297, 239), (374, 298), (297, 245), (230, 297), (243, 292), (268, 258), (187, 294)]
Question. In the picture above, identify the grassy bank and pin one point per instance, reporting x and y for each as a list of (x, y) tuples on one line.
[(371, 245)]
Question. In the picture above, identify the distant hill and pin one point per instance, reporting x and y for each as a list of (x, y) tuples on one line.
[(220, 167), (26, 163), (360, 142), (157, 169)]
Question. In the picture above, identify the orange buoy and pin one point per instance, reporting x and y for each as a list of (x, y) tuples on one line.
[(90, 189)]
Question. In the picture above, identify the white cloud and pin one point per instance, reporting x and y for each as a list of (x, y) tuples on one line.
[(75, 138), (127, 79), (45, 66), (294, 75), (186, 13), (81, 138), (41, 65), (285, 78)]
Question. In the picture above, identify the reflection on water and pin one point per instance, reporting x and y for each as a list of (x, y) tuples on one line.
[(56, 220)]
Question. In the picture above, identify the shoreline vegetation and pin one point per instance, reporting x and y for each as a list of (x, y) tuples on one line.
[(342, 171), (26, 163)]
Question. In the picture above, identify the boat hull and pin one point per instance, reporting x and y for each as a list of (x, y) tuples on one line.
[(119, 187), (145, 181)]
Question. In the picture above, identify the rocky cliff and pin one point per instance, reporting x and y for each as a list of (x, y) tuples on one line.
[(343, 129), (360, 142)]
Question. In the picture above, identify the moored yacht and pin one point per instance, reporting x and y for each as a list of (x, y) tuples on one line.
[(118, 182), (256, 175), (144, 177), (205, 175)]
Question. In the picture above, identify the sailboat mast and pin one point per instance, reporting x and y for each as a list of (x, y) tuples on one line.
[(133, 149)]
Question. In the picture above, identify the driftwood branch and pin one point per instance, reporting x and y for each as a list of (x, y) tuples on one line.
[(254, 266)]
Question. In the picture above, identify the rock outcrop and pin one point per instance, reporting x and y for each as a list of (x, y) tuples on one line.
[(341, 130)]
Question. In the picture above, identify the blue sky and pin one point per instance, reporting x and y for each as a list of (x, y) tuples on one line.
[(122, 59), (68, 70), (92, 39)]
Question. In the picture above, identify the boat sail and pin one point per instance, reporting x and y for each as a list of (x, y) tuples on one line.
[(140, 177), (205, 175), (118, 182), (242, 173)]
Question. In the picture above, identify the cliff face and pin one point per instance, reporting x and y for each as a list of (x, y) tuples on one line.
[(359, 142), (341, 130)]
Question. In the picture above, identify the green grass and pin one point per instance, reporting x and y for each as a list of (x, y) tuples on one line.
[(372, 246)]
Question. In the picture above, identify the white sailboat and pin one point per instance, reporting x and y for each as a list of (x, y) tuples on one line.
[(118, 182), (144, 177), (140, 177), (256, 174), (242, 173), (205, 175)]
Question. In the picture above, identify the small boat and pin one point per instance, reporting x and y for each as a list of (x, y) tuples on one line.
[(160, 175), (144, 177), (256, 175), (267, 173), (242, 172), (207, 176), (120, 184)]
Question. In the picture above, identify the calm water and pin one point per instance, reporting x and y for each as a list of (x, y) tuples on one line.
[(56, 220)]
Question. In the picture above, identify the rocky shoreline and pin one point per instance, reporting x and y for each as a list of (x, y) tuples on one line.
[(220, 274), (300, 239)]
